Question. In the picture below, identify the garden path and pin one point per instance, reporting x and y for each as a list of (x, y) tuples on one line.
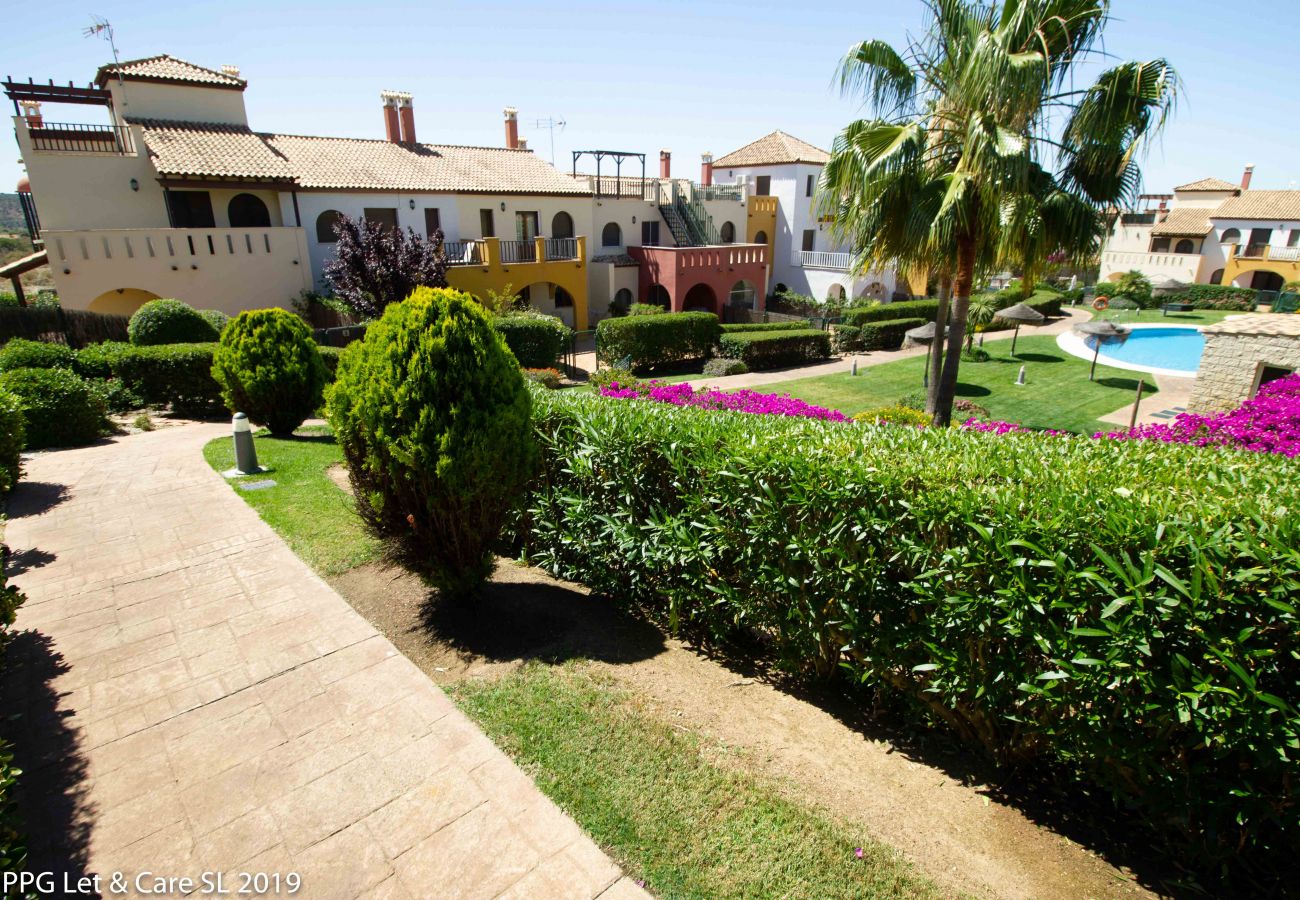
[(195, 699)]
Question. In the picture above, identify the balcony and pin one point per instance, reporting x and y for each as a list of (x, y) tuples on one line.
[(489, 252), (822, 259), (114, 140), (1266, 251), (1182, 267)]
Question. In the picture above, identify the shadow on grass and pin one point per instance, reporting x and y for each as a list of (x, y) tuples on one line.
[(31, 498), (965, 389), (1128, 384), (1033, 358)]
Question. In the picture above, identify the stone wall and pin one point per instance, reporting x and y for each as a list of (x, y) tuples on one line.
[(1230, 367)]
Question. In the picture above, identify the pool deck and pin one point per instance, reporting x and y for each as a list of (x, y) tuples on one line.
[(1162, 406)]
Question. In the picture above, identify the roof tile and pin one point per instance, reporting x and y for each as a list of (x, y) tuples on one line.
[(1280, 205), (167, 68), (1207, 184), (772, 150), (1184, 221)]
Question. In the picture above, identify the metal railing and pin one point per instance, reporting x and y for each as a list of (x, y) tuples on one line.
[(1284, 254), (561, 248), (73, 138), (822, 259), (698, 221), (463, 253), (518, 251), (718, 191)]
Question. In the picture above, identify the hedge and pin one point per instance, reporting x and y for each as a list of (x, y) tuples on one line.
[(651, 341), (1214, 296), (269, 368), (74, 327), (846, 337), (903, 309), (330, 357), (537, 341), (60, 408), (887, 335), (13, 851), (1137, 632), (21, 353), (175, 374), (737, 327), (13, 437), (170, 322), (773, 349)]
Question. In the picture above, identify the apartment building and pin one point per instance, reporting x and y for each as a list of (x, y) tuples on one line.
[(1209, 231), (177, 196)]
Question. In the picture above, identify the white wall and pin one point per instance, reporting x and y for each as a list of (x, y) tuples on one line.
[(628, 214), (177, 102)]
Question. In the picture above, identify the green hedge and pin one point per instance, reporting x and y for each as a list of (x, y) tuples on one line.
[(536, 341), (773, 349), (60, 408), (846, 337), (170, 322), (1214, 296), (887, 335), (1046, 302), (1136, 631), (652, 341), (96, 360), (13, 851), (903, 309), (737, 327), (20, 353), (179, 375), (13, 438)]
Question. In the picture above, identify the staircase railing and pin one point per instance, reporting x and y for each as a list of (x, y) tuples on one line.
[(697, 219)]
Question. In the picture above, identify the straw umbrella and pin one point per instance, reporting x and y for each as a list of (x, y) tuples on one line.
[(1105, 332), (1019, 313), (925, 335)]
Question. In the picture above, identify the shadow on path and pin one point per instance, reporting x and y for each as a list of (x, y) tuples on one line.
[(31, 498)]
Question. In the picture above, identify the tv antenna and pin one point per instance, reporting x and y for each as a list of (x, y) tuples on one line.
[(550, 124), (101, 27)]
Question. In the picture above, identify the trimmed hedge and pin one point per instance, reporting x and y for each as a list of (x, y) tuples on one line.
[(269, 368), (888, 335), (97, 360), (1137, 632), (737, 327), (169, 322), (1214, 296), (13, 437), (13, 850), (658, 340), (216, 318), (773, 349), (175, 374), (24, 354), (536, 340), (903, 309), (846, 337), (60, 409)]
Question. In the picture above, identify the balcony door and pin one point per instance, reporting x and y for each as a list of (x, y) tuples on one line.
[(190, 209), (1259, 239), (526, 226), (763, 187)]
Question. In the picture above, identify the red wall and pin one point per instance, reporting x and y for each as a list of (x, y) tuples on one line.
[(679, 269)]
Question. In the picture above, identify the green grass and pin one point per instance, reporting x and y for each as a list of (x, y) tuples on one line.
[(1057, 393), (305, 507), (651, 796), (1194, 317)]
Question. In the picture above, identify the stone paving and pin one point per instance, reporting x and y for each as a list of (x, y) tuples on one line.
[(195, 699)]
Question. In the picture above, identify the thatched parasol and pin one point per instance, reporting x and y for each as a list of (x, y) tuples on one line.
[(1019, 313), (1103, 332), (925, 335)]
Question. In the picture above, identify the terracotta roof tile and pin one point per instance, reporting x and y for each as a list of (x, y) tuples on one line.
[(1184, 221), (1279, 205), (167, 68), (771, 150), (1207, 184)]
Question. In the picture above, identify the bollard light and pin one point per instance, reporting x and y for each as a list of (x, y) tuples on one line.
[(245, 452), (855, 366), (1020, 379)]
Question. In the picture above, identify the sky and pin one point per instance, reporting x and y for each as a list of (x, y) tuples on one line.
[(705, 75)]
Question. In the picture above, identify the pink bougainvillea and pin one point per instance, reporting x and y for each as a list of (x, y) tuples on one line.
[(737, 401)]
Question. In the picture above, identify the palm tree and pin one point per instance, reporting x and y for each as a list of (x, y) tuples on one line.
[(982, 150)]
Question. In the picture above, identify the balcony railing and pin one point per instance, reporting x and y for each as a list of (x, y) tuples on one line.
[(72, 138), (822, 259), (480, 252), (463, 253), (718, 192), (1266, 251), (518, 251), (561, 248)]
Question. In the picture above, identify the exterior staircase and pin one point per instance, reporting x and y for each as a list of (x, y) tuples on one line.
[(681, 232), (690, 224)]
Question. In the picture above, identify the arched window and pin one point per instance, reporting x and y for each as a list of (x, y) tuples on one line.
[(562, 297), (562, 225), (1231, 236), (728, 233), (247, 211), (611, 235), (621, 303), (1216, 277), (760, 237), (1184, 246), (325, 223)]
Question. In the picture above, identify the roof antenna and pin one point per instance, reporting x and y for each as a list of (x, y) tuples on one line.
[(551, 124), (101, 27)]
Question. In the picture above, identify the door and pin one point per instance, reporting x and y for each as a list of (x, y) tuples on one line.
[(191, 209), (527, 228), (1259, 239), (809, 237), (764, 186), (650, 233)]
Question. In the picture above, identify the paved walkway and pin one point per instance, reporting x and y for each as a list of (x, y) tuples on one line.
[(196, 700)]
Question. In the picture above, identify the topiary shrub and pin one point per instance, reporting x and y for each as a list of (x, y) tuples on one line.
[(24, 354), (97, 360), (650, 341), (536, 340), (887, 335), (432, 414), (772, 349), (13, 437), (720, 367), (903, 309), (801, 325), (269, 368), (175, 375), (59, 407), (645, 309), (216, 318), (169, 322)]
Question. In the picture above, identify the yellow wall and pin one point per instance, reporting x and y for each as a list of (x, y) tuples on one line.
[(762, 217), (1236, 266), (493, 275), (121, 302)]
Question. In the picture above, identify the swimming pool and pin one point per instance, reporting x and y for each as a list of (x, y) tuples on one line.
[(1159, 349)]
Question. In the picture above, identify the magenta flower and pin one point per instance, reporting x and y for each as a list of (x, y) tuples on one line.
[(736, 401)]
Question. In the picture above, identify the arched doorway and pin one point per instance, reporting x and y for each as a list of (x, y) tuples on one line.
[(760, 237), (728, 233), (621, 303), (659, 296), (1216, 277), (549, 299), (248, 211), (1259, 280), (325, 223), (742, 295), (835, 293), (121, 302), (700, 297), (562, 226)]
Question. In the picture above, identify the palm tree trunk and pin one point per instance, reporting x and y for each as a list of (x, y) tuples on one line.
[(936, 346), (962, 285)]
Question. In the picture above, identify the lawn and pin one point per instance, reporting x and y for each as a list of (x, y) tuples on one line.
[(1057, 393), (1194, 317), (658, 799)]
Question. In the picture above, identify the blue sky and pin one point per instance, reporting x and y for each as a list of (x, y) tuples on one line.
[(690, 76)]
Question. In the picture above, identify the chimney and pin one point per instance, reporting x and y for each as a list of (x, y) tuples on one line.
[(1246, 176), (706, 169), (523, 144), (406, 112), (392, 125), (232, 71), (32, 113), (665, 164), (512, 128)]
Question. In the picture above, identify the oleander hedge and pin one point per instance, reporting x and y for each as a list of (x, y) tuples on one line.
[(887, 335), (773, 349), (1135, 632), (657, 340), (736, 327), (903, 309), (537, 341)]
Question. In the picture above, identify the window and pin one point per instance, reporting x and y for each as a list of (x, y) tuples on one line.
[(808, 188), (247, 211), (650, 233), (1293, 239), (562, 298), (760, 237), (381, 217), (325, 226), (486, 224), (764, 186), (526, 226), (191, 209), (611, 235), (1216, 277), (728, 233), (1185, 246), (1231, 236), (432, 222), (562, 225), (1160, 245), (809, 236)]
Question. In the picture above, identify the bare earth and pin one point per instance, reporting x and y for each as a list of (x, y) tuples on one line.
[(935, 811)]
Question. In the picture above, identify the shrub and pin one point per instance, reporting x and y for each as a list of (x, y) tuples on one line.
[(24, 354), (1137, 632), (718, 368), (904, 309), (536, 340), (650, 341), (1214, 296), (894, 415), (765, 326), (771, 349), (179, 375), (269, 368), (846, 337), (373, 266), (432, 414), (329, 356), (59, 407), (887, 335), (603, 378), (216, 318), (115, 395), (645, 309), (169, 322), (98, 360), (13, 437), (13, 853), (745, 401), (547, 378)]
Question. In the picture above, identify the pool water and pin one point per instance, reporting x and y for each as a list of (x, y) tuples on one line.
[(1178, 349)]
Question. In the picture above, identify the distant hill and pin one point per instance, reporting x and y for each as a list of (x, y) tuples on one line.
[(11, 215)]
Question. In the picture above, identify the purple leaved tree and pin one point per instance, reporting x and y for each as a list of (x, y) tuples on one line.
[(374, 265)]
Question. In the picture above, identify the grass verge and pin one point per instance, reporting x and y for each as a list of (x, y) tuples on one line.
[(1153, 316)]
